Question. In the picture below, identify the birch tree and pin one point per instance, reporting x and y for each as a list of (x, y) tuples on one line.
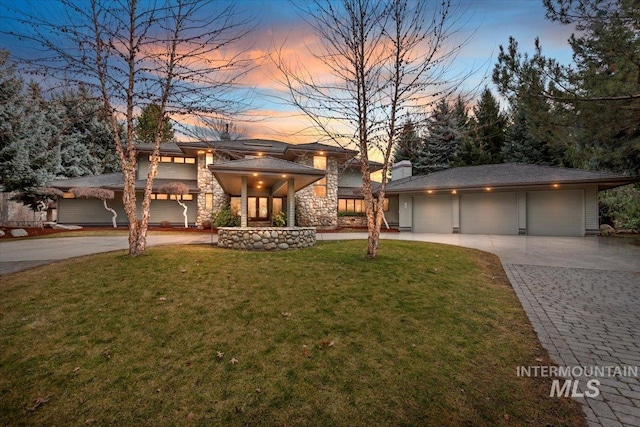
[(100, 194), (177, 189), (178, 55), (387, 60)]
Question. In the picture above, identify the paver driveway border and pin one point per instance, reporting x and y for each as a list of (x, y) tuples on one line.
[(581, 294)]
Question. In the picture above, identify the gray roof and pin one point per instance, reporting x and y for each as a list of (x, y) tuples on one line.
[(115, 181), (265, 164), (266, 146), (505, 175)]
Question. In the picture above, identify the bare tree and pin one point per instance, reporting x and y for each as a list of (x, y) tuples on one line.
[(388, 60), (217, 129), (177, 189), (176, 54), (100, 194)]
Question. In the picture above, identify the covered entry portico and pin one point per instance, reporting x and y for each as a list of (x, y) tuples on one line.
[(261, 180)]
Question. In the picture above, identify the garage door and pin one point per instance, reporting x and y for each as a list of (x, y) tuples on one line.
[(555, 213), (489, 213), (432, 214)]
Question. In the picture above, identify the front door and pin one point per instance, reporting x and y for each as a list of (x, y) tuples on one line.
[(258, 208)]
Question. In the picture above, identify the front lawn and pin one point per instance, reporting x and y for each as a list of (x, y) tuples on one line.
[(425, 335)]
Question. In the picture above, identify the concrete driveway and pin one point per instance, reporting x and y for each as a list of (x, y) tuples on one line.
[(581, 294)]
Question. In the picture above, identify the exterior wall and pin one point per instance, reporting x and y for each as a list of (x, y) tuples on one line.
[(405, 212), (208, 184), (318, 211), (92, 212), (591, 210), (522, 212), (268, 238), (350, 178), (393, 214), (167, 170)]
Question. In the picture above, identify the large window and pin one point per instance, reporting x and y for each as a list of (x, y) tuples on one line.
[(208, 201), (320, 187), (162, 196), (357, 205)]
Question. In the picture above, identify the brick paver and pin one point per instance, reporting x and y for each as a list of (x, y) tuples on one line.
[(588, 318)]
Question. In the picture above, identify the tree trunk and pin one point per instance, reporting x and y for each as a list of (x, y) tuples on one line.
[(184, 213), (114, 214)]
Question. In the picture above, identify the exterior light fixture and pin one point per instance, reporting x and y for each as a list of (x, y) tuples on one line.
[(321, 153), (259, 154), (284, 175), (200, 151), (429, 191), (255, 174), (488, 188), (454, 192), (556, 185)]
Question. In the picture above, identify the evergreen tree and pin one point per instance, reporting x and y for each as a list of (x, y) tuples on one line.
[(409, 144), (147, 123), (524, 145), (443, 142), (490, 125)]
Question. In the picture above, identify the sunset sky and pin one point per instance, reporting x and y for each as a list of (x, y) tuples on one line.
[(486, 23)]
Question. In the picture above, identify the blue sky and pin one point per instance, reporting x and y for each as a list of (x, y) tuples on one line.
[(487, 23)]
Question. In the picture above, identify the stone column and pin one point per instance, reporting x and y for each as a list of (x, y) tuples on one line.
[(291, 201), (243, 203)]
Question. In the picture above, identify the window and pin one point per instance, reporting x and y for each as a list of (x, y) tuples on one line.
[(190, 160), (166, 159), (162, 196), (276, 205), (357, 205), (320, 187), (208, 201), (235, 205), (208, 159), (178, 160), (67, 195)]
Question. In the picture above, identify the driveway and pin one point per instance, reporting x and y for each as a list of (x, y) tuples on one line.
[(581, 294)]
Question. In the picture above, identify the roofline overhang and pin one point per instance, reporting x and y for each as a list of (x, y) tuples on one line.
[(603, 184)]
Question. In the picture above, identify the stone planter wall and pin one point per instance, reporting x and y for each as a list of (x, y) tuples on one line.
[(266, 238), (352, 221)]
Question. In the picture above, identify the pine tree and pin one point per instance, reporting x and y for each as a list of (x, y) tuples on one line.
[(409, 144), (147, 123), (444, 139), (490, 125)]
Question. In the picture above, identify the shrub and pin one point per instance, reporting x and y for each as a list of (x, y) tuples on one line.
[(279, 219), (226, 218), (351, 213), (620, 207), (166, 224), (206, 224)]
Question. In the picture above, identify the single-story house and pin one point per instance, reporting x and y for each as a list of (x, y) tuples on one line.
[(508, 198)]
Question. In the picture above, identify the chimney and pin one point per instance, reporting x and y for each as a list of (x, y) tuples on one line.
[(224, 136), (401, 170)]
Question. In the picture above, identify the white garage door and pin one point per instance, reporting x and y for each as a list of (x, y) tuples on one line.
[(555, 213), (432, 214), (489, 213)]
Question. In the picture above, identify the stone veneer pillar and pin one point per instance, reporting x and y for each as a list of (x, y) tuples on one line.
[(319, 211), (291, 203), (208, 184)]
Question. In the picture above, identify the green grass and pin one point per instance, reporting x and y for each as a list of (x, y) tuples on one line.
[(424, 335)]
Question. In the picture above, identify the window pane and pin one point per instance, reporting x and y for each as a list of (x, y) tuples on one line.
[(251, 207), (277, 205), (161, 196), (235, 205), (187, 197), (359, 206), (190, 160), (263, 205), (320, 162), (208, 160), (350, 205), (208, 201), (342, 205), (178, 160), (165, 159), (386, 205)]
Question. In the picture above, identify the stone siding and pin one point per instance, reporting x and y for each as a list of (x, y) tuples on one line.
[(352, 221), (267, 238), (318, 211), (208, 184)]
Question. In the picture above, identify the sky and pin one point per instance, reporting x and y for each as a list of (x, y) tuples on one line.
[(485, 25)]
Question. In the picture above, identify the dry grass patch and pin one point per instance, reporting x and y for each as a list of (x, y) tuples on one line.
[(425, 335)]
